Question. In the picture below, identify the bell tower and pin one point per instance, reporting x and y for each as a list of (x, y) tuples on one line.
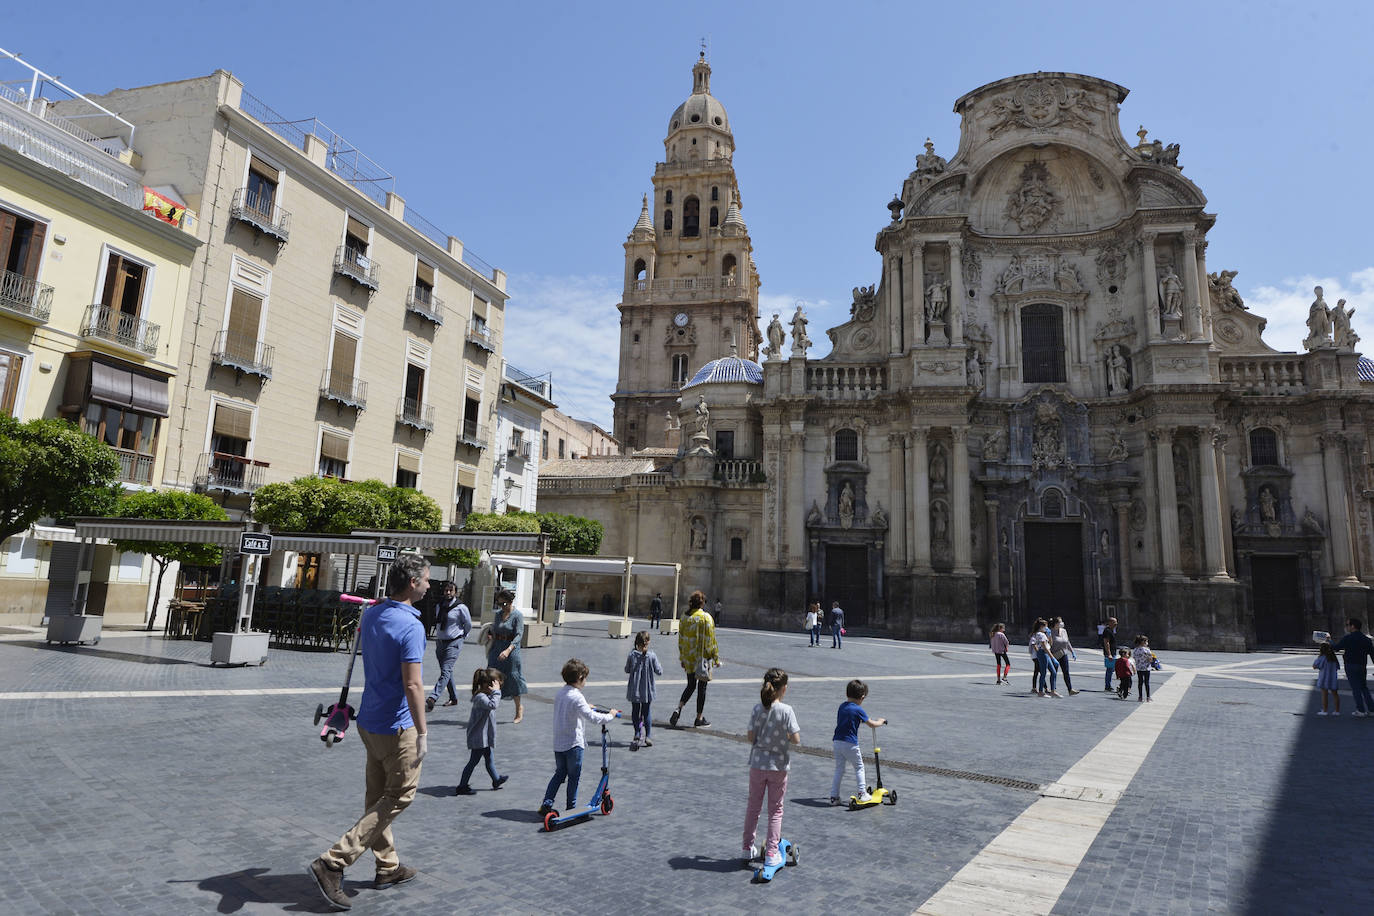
[(691, 286)]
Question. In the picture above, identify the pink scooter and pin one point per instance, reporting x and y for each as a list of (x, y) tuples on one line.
[(340, 714)]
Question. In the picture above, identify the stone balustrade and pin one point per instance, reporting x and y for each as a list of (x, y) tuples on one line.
[(841, 382), (1274, 375)]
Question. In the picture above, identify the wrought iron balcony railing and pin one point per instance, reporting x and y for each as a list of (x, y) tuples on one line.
[(416, 414), (356, 266), (25, 297), (259, 210), (472, 434), (243, 353), (229, 473), (541, 385), (133, 467), (127, 330), (344, 389), (479, 335), (422, 301)]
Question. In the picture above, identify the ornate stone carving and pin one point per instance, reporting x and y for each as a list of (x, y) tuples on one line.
[(775, 338), (1311, 525), (814, 518), (865, 303), (1171, 287), (698, 533), (939, 466), (995, 446), (799, 339), (1318, 323), (1118, 451), (1342, 334), (975, 371), (675, 336), (937, 300), (928, 164), (1039, 270), (1041, 103), (1032, 204), (1139, 515), (863, 339), (939, 367), (1118, 370), (1047, 440), (703, 415), (1222, 294), (939, 523), (1111, 266), (878, 518), (973, 267), (1114, 330), (845, 505), (1156, 152), (1228, 330)]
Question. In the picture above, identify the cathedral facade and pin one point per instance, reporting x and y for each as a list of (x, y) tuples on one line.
[(1045, 404)]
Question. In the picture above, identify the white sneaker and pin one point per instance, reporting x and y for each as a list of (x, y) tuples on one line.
[(750, 853), (864, 798), (1056, 693), (1322, 713), (1359, 715), (1336, 713), (775, 862)]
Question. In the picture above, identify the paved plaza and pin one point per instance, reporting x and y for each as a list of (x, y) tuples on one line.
[(138, 779)]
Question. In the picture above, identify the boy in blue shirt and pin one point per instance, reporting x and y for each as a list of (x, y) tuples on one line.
[(846, 739)]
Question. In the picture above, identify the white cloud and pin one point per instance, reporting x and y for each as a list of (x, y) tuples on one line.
[(1286, 305), (568, 325)]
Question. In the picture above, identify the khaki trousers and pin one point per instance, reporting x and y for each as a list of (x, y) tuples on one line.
[(393, 774)]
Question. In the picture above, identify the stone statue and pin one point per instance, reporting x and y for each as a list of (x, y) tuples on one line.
[(995, 446), (1222, 293), (1105, 544), (879, 518), (799, 339), (698, 534), (975, 372), (1318, 323), (775, 338), (1118, 451), (939, 523), (928, 163), (939, 466), (1268, 506), (1118, 371), (1310, 523), (703, 415), (814, 517), (846, 505), (937, 302), (668, 421), (1341, 333), (1172, 287)]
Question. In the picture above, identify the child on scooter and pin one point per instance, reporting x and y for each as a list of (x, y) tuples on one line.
[(846, 739), (642, 666), (772, 727), (570, 708), (486, 696)]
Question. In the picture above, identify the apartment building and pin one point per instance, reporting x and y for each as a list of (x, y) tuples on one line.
[(523, 400), (562, 436), (95, 269), (329, 328)]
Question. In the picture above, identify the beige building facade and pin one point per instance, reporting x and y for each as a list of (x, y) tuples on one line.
[(565, 438), (1045, 405)]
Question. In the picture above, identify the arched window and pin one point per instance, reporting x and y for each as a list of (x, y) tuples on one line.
[(715, 194), (737, 548), (727, 266), (1264, 447), (715, 217), (1042, 343), (1053, 505), (846, 445), (668, 197), (641, 269), (691, 217), (679, 369), (667, 220)]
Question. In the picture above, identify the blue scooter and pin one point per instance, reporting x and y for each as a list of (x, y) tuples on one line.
[(790, 856), (601, 799)]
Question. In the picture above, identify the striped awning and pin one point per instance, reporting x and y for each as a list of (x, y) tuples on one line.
[(226, 534), (591, 566), (57, 534), (455, 540), (309, 542)]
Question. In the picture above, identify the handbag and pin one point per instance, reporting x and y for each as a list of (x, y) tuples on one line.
[(843, 631), (703, 666)]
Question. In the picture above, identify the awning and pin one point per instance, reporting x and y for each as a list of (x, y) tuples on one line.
[(460, 540), (57, 534), (149, 395), (308, 542), (226, 534), (111, 385), (591, 566), (467, 478)]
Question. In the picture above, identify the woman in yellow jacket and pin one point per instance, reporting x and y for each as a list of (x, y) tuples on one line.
[(698, 654)]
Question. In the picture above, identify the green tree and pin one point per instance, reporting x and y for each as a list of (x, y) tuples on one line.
[(522, 522), (50, 468), (571, 533), (319, 504), (169, 504), (407, 509)]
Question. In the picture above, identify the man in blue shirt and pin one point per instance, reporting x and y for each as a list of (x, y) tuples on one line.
[(1357, 647), (391, 725)]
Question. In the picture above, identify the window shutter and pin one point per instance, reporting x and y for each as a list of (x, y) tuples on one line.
[(262, 168), (334, 446), (408, 462), (357, 229), (345, 356), (7, 224), (233, 421), (112, 273), (467, 478), (35, 258), (245, 313), (424, 272)]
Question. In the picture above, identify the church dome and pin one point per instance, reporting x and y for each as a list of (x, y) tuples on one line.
[(726, 370), (701, 108)]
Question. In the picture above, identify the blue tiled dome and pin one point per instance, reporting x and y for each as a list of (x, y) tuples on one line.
[(1366, 369), (728, 369)]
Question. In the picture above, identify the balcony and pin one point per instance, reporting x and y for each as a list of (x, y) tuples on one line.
[(243, 354), (740, 470), (1259, 375), (415, 414), (258, 211), (356, 266), (479, 335), (133, 467), (670, 289), (129, 331), (344, 390), (24, 297), (846, 383), (229, 473), (521, 449), (420, 300), (539, 385), (472, 434)]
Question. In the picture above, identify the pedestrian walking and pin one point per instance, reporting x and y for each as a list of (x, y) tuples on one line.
[(570, 708), (506, 633), (452, 623), (836, 625), (845, 741), (1357, 648), (486, 696), (1124, 670), (812, 624), (642, 666), (1141, 659), (1107, 642), (772, 727), (720, 613), (1062, 650), (392, 728), (1040, 645), (698, 654), (656, 610), (1328, 667), (1000, 645)]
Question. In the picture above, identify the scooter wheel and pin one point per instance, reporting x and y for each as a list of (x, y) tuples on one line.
[(793, 855), (329, 739), (607, 804), (853, 805), (891, 798), (549, 825), (319, 713)]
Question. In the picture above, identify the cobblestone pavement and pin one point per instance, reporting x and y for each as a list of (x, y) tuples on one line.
[(140, 780)]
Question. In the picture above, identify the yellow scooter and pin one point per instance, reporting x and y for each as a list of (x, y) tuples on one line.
[(878, 796)]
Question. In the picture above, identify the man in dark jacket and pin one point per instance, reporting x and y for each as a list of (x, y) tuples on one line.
[(656, 610), (1108, 643), (1357, 647), (452, 625)]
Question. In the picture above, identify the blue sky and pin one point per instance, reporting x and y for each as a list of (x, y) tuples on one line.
[(530, 130)]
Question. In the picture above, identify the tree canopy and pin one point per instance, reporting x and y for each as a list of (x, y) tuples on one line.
[(169, 504), (51, 468), (331, 506), (567, 533)]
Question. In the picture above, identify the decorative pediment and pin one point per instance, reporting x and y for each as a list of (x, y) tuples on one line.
[(1163, 187), (1040, 103), (1114, 330)]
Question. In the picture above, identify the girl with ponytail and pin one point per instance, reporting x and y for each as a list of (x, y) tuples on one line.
[(772, 727)]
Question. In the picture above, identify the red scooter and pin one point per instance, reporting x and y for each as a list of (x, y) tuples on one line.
[(340, 714)]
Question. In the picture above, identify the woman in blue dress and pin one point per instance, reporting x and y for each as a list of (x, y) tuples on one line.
[(504, 652)]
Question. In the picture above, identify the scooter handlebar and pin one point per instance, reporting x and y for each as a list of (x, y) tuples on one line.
[(356, 599), (605, 709)]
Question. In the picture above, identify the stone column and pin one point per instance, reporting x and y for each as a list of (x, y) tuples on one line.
[(1168, 500), (1213, 512), (920, 501), (1149, 278), (1338, 510), (915, 303), (957, 293), (959, 503), (1123, 537), (896, 450), (894, 305), (994, 548), (1191, 287), (774, 534), (1200, 248), (796, 507)]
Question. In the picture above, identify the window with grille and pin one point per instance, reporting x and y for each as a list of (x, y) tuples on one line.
[(846, 445), (1042, 343), (1264, 447)]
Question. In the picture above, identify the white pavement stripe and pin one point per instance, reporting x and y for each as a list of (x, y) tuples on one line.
[(1027, 866), (1264, 681)]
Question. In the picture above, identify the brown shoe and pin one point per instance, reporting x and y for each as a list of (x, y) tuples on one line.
[(330, 883), (398, 875)]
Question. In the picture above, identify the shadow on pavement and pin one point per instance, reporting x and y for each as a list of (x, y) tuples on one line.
[(516, 815), (811, 802), (703, 863), (437, 791), (118, 656), (296, 893)]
